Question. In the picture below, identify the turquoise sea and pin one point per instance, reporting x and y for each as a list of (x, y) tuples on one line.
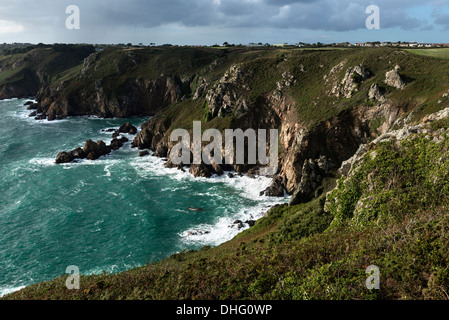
[(116, 213)]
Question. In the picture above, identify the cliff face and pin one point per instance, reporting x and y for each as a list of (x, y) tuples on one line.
[(308, 153), (121, 82), (324, 104), (139, 98), (25, 72)]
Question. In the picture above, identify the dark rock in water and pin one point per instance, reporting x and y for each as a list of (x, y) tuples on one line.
[(79, 153), (117, 143), (143, 139), (238, 224), (40, 117), (276, 188), (143, 153), (127, 128), (59, 116), (28, 103), (64, 157), (161, 151), (197, 232), (51, 117), (200, 170), (230, 175), (216, 168), (108, 130), (95, 150), (170, 164), (91, 151), (251, 223), (124, 128), (92, 156), (195, 209), (90, 146), (33, 106), (103, 148), (32, 114), (253, 172)]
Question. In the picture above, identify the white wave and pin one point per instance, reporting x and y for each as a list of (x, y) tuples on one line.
[(251, 187), (42, 161), (7, 290), (106, 169), (224, 229)]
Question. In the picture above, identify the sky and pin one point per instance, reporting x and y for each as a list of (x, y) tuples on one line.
[(208, 22)]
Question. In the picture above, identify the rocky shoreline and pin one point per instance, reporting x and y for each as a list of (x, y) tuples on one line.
[(94, 150)]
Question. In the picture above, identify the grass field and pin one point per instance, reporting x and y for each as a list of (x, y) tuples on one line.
[(442, 53)]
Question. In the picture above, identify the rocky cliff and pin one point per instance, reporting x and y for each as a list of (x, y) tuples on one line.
[(360, 108), (324, 104)]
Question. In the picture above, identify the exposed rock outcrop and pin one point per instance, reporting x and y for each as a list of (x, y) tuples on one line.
[(139, 98), (94, 150), (375, 93), (353, 77), (225, 97), (276, 188), (394, 79)]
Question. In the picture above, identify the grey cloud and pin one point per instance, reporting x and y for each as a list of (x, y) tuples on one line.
[(109, 15)]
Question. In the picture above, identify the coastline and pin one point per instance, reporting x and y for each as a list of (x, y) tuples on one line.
[(223, 230)]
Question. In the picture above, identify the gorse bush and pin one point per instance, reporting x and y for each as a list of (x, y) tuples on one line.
[(396, 179)]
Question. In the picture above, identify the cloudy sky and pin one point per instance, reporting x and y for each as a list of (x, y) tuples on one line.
[(216, 21)]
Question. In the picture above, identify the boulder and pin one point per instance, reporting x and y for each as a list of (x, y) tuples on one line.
[(143, 139), (118, 143), (95, 150), (127, 128), (79, 153), (276, 188), (51, 117), (161, 151), (64, 157), (394, 79), (216, 168), (250, 223), (200, 170), (237, 223), (375, 93), (143, 153)]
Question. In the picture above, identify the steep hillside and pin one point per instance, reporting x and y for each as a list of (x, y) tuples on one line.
[(388, 210), (26, 70), (363, 143)]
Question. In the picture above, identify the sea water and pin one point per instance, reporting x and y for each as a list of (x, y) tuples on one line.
[(112, 214)]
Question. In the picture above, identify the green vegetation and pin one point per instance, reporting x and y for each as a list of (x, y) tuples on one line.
[(442, 53), (393, 181), (391, 212), (304, 252)]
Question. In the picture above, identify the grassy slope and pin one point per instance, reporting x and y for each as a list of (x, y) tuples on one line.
[(39, 65), (442, 53), (426, 77), (300, 252)]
